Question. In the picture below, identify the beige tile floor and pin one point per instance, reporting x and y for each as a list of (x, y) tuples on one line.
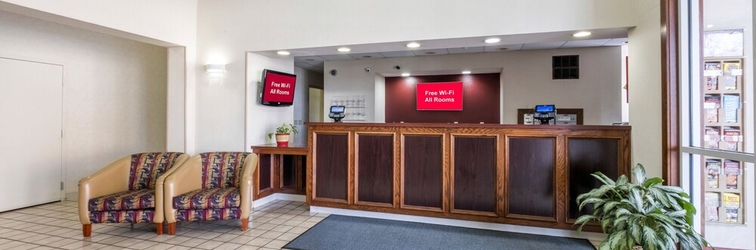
[(56, 226)]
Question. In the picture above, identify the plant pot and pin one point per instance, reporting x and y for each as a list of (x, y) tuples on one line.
[(282, 140)]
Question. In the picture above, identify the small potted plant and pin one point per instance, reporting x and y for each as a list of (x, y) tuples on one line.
[(282, 134), (644, 215)]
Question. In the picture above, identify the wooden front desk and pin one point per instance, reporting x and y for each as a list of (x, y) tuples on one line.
[(515, 174), (280, 170)]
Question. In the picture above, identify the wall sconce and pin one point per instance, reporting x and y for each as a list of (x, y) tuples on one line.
[(215, 68)]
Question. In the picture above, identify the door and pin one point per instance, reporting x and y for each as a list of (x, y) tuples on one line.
[(30, 133)]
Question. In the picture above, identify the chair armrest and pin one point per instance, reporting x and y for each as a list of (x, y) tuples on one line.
[(249, 167), (111, 179), (159, 183), (185, 178)]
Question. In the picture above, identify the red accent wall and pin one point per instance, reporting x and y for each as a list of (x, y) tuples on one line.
[(481, 99)]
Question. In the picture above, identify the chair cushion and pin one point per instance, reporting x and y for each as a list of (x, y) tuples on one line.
[(208, 198), (128, 200), (121, 216), (222, 169), (147, 167), (208, 214)]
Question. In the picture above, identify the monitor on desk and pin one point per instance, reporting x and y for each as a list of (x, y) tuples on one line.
[(337, 109)]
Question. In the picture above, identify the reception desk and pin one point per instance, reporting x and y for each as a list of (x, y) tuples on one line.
[(514, 174)]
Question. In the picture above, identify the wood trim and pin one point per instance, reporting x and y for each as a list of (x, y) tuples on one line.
[(670, 84), (560, 179), (398, 167), (351, 174), (446, 136)]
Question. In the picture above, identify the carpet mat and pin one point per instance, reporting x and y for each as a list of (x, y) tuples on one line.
[(357, 233)]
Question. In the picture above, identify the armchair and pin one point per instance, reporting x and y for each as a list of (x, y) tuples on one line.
[(128, 190), (211, 186)]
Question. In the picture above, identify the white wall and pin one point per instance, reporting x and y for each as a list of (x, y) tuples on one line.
[(525, 81), (113, 94), (645, 90), (170, 22), (305, 79), (345, 22), (260, 119)]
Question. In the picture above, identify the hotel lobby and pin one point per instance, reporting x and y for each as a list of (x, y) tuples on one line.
[(666, 84)]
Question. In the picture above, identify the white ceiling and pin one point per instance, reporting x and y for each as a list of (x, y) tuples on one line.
[(730, 14), (313, 58)]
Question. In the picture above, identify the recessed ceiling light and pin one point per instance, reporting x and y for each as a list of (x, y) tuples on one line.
[(344, 49), (492, 40), (405, 74), (283, 52), (709, 26), (466, 72), (413, 45), (582, 34)]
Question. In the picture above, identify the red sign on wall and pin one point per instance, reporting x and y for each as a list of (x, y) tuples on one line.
[(439, 96), (278, 87)]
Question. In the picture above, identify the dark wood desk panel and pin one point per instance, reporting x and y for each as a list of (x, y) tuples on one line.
[(280, 170), (530, 180), (474, 175), (375, 168), (422, 168), (513, 174), (587, 156), (331, 159)]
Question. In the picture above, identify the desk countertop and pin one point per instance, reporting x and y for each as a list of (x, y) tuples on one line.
[(292, 149)]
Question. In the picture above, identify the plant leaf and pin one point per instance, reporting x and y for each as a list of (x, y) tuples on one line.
[(652, 182), (639, 172), (604, 179)]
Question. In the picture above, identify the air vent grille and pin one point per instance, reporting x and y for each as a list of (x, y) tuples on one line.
[(565, 67)]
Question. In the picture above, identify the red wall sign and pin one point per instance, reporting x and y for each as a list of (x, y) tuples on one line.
[(439, 96), (278, 88)]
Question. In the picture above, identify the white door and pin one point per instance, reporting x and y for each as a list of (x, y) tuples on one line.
[(30, 133)]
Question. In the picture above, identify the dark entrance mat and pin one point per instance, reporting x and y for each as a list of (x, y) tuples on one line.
[(358, 233)]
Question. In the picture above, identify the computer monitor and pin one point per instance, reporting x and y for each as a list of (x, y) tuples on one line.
[(337, 109), (337, 113), (544, 108)]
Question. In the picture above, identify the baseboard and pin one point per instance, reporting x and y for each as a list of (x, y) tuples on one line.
[(74, 196), (274, 197), (594, 237)]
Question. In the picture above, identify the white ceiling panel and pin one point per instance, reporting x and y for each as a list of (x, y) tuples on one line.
[(501, 48), (616, 42), (548, 45), (336, 57), (402, 53), (585, 43), (465, 50), (430, 52), (366, 55), (309, 59)]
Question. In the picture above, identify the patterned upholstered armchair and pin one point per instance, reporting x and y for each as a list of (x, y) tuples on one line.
[(211, 186), (128, 190)]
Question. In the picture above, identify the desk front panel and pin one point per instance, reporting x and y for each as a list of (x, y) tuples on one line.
[(514, 174)]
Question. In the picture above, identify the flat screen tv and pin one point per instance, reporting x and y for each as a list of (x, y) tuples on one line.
[(277, 88)]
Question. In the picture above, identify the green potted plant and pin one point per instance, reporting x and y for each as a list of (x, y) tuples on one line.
[(282, 134), (644, 214)]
